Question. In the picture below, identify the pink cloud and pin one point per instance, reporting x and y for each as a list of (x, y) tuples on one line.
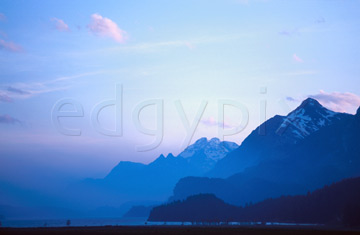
[(297, 59), (2, 17), (60, 25), (10, 46), (5, 98), (7, 119), (339, 102), (190, 45), (212, 122), (102, 26)]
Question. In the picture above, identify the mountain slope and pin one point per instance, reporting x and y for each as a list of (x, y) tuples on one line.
[(281, 133)]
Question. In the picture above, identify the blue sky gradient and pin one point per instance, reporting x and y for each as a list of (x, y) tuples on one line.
[(171, 50)]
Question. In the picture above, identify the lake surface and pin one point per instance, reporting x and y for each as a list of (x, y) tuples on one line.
[(74, 222)]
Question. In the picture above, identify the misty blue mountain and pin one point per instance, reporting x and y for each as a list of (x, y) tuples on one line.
[(130, 181), (291, 155), (305, 150)]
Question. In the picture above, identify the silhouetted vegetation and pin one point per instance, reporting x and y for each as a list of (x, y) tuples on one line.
[(335, 204), (139, 211)]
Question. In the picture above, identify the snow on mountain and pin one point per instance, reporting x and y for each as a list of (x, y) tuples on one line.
[(309, 117), (213, 149)]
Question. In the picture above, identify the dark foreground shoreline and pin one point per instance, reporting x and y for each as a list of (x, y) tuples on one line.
[(198, 230)]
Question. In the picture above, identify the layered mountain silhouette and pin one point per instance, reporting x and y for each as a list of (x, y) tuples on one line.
[(280, 133), (286, 155), (305, 150), (335, 204), (130, 181)]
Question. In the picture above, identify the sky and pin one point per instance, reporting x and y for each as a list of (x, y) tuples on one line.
[(164, 69)]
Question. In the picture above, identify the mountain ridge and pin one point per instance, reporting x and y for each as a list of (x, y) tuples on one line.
[(332, 204), (131, 181), (326, 155), (281, 132)]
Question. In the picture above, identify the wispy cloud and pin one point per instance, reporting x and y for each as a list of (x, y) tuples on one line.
[(18, 91), (7, 119), (247, 2), (297, 58), (300, 72), (5, 98), (212, 122), (155, 46), (10, 46), (291, 99), (64, 78), (2, 17), (320, 20), (60, 25), (287, 32), (104, 27), (11, 92), (310, 28), (337, 101)]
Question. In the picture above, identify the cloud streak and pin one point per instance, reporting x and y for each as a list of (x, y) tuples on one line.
[(320, 20), (2, 17), (60, 25), (212, 122), (10, 46), (297, 58), (5, 98), (337, 101), (104, 27), (7, 119), (11, 92), (18, 91)]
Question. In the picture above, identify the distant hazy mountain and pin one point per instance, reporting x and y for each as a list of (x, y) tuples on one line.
[(335, 204), (130, 181), (318, 147), (138, 211)]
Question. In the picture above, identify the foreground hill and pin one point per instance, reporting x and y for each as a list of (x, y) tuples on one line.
[(335, 204)]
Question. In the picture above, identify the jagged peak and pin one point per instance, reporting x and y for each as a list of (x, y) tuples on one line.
[(213, 148), (358, 112), (170, 155), (310, 106), (201, 141), (310, 102), (215, 140), (308, 117)]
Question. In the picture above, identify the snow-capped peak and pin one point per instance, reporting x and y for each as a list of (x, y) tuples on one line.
[(309, 117), (213, 149)]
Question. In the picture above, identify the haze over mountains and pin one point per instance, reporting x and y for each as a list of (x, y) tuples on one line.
[(130, 181), (287, 155)]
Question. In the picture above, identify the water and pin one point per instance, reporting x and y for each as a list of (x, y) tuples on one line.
[(122, 222), (74, 222)]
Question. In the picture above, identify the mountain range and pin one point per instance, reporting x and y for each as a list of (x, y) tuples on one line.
[(286, 155), (305, 150), (130, 181)]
